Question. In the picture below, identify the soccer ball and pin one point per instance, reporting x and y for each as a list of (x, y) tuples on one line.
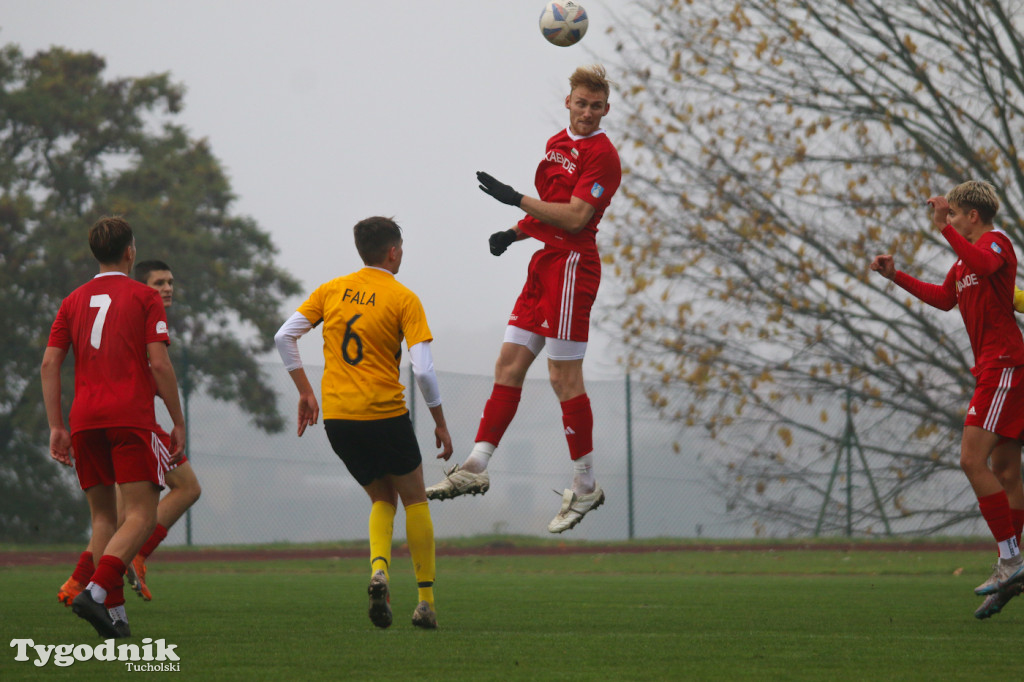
[(563, 23)]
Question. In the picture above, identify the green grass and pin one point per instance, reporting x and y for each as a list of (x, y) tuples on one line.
[(753, 615)]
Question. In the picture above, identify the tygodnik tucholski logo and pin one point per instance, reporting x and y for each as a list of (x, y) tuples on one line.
[(149, 656)]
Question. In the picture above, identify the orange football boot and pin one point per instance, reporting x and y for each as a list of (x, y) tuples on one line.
[(68, 591), (136, 575)]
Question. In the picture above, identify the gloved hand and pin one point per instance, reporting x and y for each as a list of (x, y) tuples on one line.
[(498, 190), (500, 241)]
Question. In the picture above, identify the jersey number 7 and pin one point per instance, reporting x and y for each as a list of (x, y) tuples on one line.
[(101, 301)]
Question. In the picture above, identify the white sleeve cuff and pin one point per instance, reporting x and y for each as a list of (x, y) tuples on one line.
[(423, 369), (287, 338)]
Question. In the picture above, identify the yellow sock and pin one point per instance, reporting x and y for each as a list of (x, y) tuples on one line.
[(419, 532), (382, 524)]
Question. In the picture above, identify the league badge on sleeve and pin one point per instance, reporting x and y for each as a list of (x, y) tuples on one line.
[(996, 248), (596, 191)]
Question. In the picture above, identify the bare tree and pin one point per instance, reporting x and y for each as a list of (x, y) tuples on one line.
[(771, 148)]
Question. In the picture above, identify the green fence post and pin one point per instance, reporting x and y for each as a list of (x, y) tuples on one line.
[(186, 386), (629, 451), (849, 473)]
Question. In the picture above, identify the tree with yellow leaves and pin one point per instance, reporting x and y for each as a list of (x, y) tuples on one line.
[(770, 148)]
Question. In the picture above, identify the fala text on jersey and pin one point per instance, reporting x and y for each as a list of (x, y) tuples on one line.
[(359, 297), (555, 156)]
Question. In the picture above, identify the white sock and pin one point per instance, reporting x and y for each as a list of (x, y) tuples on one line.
[(118, 613), (583, 475), (479, 457), (1008, 548), (99, 595)]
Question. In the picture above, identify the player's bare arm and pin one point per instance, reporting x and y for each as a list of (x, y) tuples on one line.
[(286, 340), (167, 387), (940, 211), (309, 408), (442, 438), (884, 265), (60, 438), (571, 217)]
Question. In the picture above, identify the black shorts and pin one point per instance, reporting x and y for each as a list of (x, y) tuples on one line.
[(374, 448)]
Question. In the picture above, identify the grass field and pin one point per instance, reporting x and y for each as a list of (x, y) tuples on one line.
[(680, 615)]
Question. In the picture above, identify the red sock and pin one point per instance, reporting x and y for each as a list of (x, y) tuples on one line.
[(578, 420), (108, 574), (498, 413), (995, 508), (115, 597), (1018, 522), (84, 569), (159, 533)]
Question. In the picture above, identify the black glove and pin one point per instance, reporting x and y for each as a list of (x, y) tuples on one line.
[(500, 241), (498, 190)]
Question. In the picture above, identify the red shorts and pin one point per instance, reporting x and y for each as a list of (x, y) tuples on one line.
[(165, 450), (117, 455), (998, 402), (559, 292)]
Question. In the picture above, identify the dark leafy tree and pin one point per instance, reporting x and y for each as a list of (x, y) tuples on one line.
[(75, 146)]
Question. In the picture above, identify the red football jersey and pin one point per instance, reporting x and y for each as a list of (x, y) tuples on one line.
[(585, 167), (107, 323), (981, 284)]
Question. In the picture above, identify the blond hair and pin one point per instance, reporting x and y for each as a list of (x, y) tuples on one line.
[(977, 195), (591, 77)]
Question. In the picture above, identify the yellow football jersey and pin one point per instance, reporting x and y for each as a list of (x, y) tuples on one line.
[(1018, 300), (365, 316)]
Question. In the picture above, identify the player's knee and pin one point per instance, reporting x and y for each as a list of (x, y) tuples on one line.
[(184, 483), (104, 524), (508, 372), (194, 492), (142, 516), (501, 370), (965, 464), (558, 383), (1008, 476), (187, 486), (566, 380), (970, 464)]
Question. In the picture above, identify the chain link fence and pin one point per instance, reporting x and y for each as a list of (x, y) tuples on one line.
[(658, 475), (260, 487)]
